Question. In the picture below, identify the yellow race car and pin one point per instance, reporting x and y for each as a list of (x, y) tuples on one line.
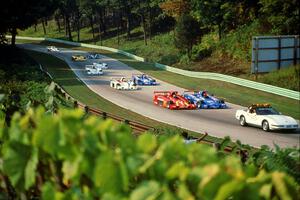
[(78, 58)]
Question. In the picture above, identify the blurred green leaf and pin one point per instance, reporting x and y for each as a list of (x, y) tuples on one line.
[(30, 170), (48, 191), (106, 174), (149, 190), (19, 163), (147, 143), (228, 189), (184, 193), (178, 170), (280, 186), (50, 88)]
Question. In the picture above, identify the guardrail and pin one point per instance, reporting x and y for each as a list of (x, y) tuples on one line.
[(203, 75)]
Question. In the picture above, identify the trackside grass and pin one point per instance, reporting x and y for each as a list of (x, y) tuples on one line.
[(66, 78), (232, 93)]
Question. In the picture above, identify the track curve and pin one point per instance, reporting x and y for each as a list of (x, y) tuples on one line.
[(218, 123)]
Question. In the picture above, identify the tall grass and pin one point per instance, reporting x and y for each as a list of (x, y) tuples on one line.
[(286, 78), (237, 43)]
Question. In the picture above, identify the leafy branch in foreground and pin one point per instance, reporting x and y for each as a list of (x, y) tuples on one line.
[(69, 156)]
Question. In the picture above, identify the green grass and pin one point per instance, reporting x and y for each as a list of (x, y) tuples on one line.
[(66, 78), (232, 93), (287, 78), (163, 46)]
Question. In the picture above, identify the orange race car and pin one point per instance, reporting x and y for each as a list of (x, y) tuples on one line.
[(172, 100)]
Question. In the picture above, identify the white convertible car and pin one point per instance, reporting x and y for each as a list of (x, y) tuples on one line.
[(52, 48), (266, 117), (123, 84), (100, 65), (91, 69)]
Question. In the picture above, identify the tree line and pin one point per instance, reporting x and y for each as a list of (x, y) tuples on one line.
[(189, 18)]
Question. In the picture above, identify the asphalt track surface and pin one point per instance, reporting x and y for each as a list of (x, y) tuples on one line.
[(216, 122)]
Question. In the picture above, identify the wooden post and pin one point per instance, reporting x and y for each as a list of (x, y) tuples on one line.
[(75, 104), (86, 109), (104, 115)]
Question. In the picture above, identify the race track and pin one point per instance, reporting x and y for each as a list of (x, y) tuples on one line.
[(218, 123)]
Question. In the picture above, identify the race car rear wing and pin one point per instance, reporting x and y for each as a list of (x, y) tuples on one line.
[(261, 105), (193, 91), (119, 78), (164, 92), (138, 74)]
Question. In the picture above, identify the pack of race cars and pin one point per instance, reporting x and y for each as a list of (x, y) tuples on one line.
[(259, 115)]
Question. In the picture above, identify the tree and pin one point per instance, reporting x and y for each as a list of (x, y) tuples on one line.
[(18, 14), (127, 5), (282, 15), (214, 13), (100, 7), (68, 7), (88, 10), (143, 11), (175, 8), (187, 33)]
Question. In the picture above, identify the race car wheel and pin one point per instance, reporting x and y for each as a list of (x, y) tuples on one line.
[(265, 126), (243, 121)]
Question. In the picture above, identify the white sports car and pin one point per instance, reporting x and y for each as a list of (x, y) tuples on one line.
[(91, 69), (266, 117), (52, 48), (100, 65), (123, 84)]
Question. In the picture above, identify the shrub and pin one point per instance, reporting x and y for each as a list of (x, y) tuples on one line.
[(67, 156), (238, 44), (187, 33), (286, 78), (162, 23)]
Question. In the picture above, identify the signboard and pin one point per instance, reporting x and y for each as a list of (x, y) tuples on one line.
[(270, 53)]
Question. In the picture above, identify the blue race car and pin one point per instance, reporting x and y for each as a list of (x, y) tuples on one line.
[(202, 100), (143, 79)]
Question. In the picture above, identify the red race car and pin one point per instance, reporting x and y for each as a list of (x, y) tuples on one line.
[(172, 100)]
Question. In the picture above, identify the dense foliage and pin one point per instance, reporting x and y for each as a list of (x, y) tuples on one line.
[(24, 85), (69, 156), (187, 32), (18, 14)]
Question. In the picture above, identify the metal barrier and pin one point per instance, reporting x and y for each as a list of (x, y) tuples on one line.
[(203, 75)]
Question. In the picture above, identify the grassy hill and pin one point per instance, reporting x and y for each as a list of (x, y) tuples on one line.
[(230, 55)]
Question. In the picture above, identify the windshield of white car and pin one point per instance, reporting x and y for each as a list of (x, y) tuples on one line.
[(266, 111)]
